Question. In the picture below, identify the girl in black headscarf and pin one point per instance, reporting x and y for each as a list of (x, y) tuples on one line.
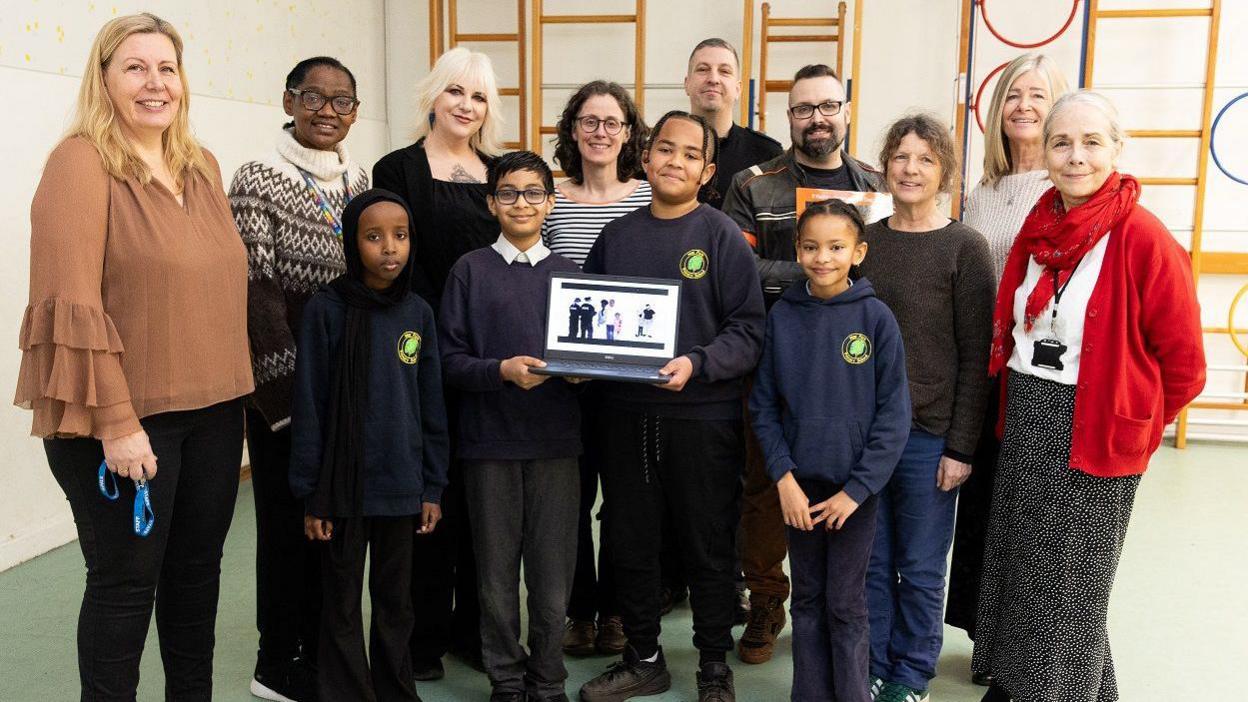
[(369, 446)]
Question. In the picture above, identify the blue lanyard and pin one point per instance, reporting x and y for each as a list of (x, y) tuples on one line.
[(322, 201), (144, 517)]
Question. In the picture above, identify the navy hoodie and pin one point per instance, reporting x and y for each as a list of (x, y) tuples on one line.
[(830, 400)]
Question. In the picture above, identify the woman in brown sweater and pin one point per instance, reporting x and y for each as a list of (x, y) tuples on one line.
[(135, 357)]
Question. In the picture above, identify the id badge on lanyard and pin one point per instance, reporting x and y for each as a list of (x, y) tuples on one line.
[(1047, 352)]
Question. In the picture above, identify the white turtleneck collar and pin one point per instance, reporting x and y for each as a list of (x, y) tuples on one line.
[(325, 166)]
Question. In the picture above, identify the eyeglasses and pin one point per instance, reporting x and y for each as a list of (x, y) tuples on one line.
[(589, 125), (313, 102), (805, 111), (533, 196)]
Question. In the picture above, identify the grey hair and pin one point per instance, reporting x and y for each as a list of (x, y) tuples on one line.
[(1091, 99)]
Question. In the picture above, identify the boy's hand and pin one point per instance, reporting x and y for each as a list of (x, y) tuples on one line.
[(794, 503), (430, 515), (317, 529), (951, 473), (835, 510), (516, 370), (678, 370)]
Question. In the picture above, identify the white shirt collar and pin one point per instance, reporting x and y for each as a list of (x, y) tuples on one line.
[(510, 253)]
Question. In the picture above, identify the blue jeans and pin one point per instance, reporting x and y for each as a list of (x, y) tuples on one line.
[(829, 605), (906, 577)]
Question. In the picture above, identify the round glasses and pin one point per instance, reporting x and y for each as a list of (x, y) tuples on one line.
[(589, 125), (806, 111), (313, 102), (533, 196)]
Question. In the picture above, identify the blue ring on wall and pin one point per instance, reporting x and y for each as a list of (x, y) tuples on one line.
[(1213, 133)]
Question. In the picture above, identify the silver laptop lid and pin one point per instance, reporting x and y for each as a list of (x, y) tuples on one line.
[(612, 318)]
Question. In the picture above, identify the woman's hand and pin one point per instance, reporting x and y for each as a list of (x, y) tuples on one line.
[(951, 473), (794, 503), (430, 515), (835, 510), (516, 370), (131, 456), (678, 371), (317, 529)]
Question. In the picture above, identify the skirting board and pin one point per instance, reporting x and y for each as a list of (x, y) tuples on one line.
[(37, 541)]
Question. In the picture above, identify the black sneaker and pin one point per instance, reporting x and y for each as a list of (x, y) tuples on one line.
[(425, 670), (715, 683), (628, 678), (285, 681)]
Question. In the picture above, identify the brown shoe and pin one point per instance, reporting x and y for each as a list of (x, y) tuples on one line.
[(610, 641), (578, 637), (766, 622)]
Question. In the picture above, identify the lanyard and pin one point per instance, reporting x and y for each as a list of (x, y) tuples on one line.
[(1058, 290), (144, 517), (323, 202)]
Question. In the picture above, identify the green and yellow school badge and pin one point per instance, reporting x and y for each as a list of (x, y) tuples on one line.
[(409, 347), (856, 349), (693, 264)]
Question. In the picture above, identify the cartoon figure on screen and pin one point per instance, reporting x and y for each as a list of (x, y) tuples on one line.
[(645, 320), (574, 318), (587, 319)]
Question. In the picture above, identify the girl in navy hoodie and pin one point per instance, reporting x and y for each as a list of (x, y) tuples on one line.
[(369, 447), (831, 409)]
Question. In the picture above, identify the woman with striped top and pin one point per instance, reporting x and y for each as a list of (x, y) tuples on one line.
[(599, 141)]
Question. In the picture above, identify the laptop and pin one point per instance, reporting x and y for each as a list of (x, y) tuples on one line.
[(610, 327)]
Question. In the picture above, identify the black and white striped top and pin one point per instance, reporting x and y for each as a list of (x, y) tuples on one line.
[(572, 227)]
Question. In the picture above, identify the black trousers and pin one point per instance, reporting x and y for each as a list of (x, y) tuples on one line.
[(343, 668), (177, 566), (288, 565), (691, 468), (593, 593)]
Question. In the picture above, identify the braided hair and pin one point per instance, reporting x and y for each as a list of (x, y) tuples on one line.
[(710, 144)]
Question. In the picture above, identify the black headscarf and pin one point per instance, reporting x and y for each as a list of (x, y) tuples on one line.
[(340, 488)]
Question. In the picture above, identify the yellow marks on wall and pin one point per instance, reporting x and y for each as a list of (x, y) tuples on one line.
[(60, 34)]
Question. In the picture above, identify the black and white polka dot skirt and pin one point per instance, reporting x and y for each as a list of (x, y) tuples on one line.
[(1054, 538)]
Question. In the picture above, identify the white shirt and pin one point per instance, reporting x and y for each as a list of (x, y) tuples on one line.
[(511, 254), (1070, 317)]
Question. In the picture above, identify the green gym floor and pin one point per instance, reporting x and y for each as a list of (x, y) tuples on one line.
[(1179, 618)]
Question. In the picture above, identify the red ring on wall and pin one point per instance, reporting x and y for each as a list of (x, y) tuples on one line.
[(983, 11), (979, 94)]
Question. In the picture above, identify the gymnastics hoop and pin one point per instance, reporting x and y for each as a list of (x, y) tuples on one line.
[(979, 94), (1213, 132), (1230, 321), (983, 11)]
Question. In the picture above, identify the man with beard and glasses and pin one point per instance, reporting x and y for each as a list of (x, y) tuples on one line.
[(763, 202)]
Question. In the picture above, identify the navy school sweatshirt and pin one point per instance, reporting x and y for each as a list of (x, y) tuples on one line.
[(406, 444), (830, 399), (721, 305), (490, 312)]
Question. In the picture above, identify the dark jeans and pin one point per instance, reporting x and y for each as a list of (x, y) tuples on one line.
[(288, 565), (831, 632), (906, 577), (524, 510), (345, 672), (693, 469), (593, 594), (177, 566)]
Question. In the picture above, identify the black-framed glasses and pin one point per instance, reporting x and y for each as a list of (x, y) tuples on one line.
[(805, 110), (533, 196), (589, 125), (313, 102)]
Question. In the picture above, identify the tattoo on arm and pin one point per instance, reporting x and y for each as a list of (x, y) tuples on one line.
[(460, 175)]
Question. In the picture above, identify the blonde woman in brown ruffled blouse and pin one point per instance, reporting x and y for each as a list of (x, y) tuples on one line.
[(135, 357)]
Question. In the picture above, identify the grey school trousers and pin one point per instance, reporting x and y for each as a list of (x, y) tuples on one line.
[(524, 509)]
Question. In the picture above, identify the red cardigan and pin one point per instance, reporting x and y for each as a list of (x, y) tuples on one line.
[(1143, 353)]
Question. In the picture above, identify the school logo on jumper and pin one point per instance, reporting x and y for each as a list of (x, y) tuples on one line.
[(409, 347), (856, 349), (693, 264)]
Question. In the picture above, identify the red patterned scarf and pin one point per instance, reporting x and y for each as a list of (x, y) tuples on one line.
[(1058, 239)]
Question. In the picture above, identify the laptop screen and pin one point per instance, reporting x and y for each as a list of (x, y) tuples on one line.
[(612, 317)]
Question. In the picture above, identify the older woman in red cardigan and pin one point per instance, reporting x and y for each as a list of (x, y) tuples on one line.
[(1097, 330)]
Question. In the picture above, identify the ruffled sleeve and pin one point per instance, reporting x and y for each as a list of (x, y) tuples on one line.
[(71, 374)]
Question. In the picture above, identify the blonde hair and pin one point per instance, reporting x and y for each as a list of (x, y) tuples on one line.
[(1094, 100), (95, 117), (997, 158), (467, 68)]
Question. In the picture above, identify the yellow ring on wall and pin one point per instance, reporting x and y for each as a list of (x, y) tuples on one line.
[(1230, 321)]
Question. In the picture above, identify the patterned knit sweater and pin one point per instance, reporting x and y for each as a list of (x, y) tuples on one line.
[(997, 211), (291, 251)]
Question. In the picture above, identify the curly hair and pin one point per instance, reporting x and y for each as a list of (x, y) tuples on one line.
[(710, 145), (933, 131), (568, 156)]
